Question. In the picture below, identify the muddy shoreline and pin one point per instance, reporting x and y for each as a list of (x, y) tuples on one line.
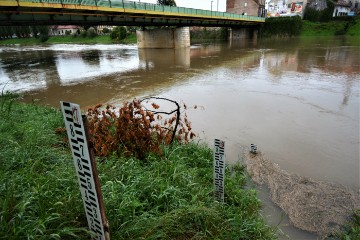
[(315, 206)]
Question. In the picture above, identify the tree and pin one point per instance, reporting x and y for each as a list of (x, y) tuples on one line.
[(167, 2), (6, 32), (118, 33), (105, 30), (91, 33)]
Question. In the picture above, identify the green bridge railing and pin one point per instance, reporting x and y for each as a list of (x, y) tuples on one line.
[(123, 4)]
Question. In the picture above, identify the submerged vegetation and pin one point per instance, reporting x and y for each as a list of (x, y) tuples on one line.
[(166, 197)]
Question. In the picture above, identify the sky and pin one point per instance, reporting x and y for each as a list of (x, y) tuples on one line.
[(197, 4)]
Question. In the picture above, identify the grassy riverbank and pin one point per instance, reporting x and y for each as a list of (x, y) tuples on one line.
[(332, 28), (273, 26), (103, 39), (163, 198)]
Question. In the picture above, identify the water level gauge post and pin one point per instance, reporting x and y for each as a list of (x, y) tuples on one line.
[(85, 167), (219, 169)]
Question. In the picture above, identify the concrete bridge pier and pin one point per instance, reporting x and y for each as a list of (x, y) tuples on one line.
[(243, 33), (163, 38)]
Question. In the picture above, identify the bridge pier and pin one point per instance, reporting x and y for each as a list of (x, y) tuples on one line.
[(163, 38), (243, 33)]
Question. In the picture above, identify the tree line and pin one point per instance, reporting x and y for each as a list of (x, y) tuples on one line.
[(41, 32)]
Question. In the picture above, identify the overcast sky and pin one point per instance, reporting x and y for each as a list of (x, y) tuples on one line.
[(197, 4)]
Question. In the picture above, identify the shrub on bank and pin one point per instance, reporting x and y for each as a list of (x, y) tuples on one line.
[(324, 15), (282, 27), (346, 26)]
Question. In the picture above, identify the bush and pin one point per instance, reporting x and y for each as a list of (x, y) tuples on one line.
[(136, 130), (311, 14), (91, 33), (118, 33), (209, 33), (122, 33), (83, 33), (282, 26), (325, 15), (105, 30), (43, 37)]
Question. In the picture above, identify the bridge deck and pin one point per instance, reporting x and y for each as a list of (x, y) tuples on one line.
[(113, 12)]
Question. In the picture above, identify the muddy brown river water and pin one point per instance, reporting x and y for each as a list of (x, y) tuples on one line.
[(297, 100)]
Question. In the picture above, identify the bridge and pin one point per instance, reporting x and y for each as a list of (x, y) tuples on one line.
[(114, 12)]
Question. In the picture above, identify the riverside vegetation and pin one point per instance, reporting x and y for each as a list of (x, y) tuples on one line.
[(273, 27), (163, 196)]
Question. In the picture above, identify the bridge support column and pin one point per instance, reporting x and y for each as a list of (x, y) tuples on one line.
[(243, 33), (163, 38)]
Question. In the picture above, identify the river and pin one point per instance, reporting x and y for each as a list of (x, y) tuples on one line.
[(297, 99)]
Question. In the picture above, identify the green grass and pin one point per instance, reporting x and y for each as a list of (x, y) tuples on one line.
[(350, 27), (321, 29), (354, 30), (104, 39), (24, 41), (350, 231), (163, 198)]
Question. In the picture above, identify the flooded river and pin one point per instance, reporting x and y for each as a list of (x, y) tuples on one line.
[(297, 100)]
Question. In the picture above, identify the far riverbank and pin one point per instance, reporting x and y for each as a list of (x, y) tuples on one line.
[(338, 27)]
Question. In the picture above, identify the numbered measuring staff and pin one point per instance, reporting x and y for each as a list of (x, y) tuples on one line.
[(85, 172), (219, 169)]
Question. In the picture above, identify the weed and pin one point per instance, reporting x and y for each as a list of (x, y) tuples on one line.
[(136, 130), (6, 101)]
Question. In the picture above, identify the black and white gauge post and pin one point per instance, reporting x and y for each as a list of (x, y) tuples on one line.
[(86, 171), (219, 169)]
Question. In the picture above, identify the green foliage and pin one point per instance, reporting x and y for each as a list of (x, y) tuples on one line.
[(171, 198), (6, 101), (118, 33), (105, 39), (325, 15), (21, 31), (164, 198), (354, 29), (37, 183), (43, 38), (6, 32), (106, 30), (83, 33), (282, 27), (224, 33), (209, 34), (167, 2), (40, 32), (311, 14), (122, 33), (91, 33), (351, 230), (132, 29), (344, 26)]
